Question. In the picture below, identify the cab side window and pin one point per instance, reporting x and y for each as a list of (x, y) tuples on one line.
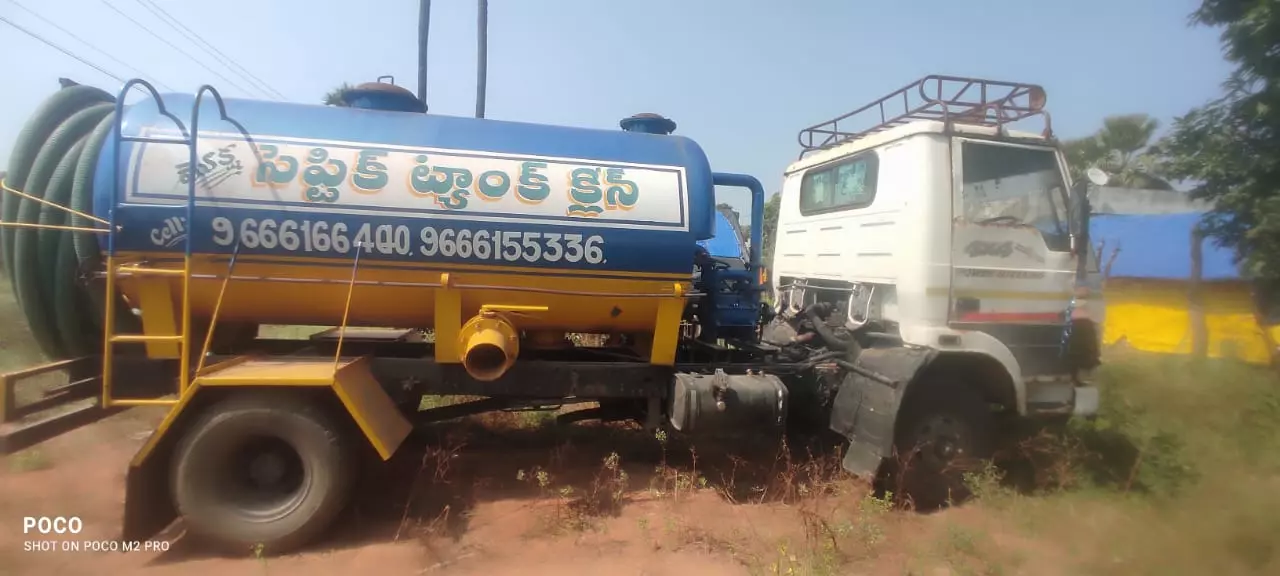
[(846, 184)]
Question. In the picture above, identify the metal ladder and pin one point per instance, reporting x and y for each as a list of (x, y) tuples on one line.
[(113, 269)]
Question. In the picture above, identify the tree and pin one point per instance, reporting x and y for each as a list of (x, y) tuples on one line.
[(1122, 148), (337, 96), (1230, 147), (770, 227), (726, 207)]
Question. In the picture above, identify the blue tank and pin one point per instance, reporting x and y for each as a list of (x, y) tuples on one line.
[(316, 181)]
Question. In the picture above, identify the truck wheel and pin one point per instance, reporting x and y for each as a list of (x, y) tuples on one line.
[(944, 431), (263, 470)]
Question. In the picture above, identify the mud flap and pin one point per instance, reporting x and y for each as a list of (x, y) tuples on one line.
[(865, 409), (148, 508)]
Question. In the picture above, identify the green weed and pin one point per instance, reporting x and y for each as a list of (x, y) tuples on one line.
[(29, 460)]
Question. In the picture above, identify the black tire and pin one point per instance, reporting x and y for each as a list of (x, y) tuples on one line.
[(222, 503), (945, 430)]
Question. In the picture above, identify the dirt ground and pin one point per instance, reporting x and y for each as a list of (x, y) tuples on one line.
[(505, 496)]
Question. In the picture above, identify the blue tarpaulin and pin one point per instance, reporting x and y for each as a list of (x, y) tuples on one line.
[(725, 243), (1158, 246)]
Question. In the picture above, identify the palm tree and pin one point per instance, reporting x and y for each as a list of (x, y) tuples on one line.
[(1122, 147), (337, 96)]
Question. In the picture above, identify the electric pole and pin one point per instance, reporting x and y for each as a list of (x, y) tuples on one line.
[(482, 54), (424, 27)]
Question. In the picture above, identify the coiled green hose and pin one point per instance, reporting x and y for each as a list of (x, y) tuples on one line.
[(54, 159)]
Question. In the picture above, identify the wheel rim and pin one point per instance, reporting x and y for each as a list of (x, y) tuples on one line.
[(941, 441), (265, 478)]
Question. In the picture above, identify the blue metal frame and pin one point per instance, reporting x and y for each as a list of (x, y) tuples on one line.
[(733, 295), (757, 209)]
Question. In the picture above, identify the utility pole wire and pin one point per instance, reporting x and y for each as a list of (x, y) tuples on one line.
[(209, 48), (176, 48), (137, 72), (61, 49)]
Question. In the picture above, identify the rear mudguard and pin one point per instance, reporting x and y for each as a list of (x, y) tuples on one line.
[(865, 409), (148, 506)]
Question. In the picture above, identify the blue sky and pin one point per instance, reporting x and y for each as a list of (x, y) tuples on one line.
[(740, 77)]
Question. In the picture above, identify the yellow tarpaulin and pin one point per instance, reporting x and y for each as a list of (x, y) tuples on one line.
[(1153, 316)]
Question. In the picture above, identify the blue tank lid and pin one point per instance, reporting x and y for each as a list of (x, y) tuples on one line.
[(648, 123), (383, 96)]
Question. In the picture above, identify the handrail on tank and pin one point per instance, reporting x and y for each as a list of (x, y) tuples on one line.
[(117, 134), (190, 139), (996, 104), (193, 179), (109, 309), (193, 153), (757, 209)]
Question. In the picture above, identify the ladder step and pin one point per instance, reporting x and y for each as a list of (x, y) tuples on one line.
[(140, 271), (133, 402), (156, 140), (126, 338)]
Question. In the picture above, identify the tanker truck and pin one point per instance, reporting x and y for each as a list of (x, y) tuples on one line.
[(149, 243)]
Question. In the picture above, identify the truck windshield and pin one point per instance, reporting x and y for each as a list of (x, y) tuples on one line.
[(1012, 185)]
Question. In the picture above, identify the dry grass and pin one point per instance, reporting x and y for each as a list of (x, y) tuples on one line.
[(18, 349), (29, 460), (1180, 474)]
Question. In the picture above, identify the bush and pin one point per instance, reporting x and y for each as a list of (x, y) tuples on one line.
[(1178, 474)]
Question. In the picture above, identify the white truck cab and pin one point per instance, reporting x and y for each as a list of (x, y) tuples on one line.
[(947, 244)]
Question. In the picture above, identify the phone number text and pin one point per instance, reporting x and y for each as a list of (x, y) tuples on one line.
[(322, 237)]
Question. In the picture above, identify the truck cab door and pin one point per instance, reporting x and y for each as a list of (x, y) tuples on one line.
[(1013, 270)]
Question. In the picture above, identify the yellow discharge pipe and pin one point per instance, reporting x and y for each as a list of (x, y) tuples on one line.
[(489, 341)]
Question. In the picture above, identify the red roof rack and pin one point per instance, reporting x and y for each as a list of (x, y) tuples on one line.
[(946, 98)]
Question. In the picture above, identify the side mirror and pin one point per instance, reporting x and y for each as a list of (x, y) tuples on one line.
[(1097, 176), (1080, 211), (1080, 201)]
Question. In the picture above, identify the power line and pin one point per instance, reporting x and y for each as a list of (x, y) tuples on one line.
[(175, 47), (61, 49), (136, 71), (209, 48)]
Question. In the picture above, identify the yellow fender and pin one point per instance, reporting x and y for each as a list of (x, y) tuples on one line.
[(148, 507)]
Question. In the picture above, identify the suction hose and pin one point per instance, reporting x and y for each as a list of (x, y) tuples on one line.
[(50, 269)]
